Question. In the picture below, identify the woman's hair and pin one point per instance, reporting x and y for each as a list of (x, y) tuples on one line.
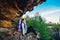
[(22, 19)]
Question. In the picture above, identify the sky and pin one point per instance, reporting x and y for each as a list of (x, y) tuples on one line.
[(50, 10)]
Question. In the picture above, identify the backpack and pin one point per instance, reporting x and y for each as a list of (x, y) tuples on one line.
[(19, 26)]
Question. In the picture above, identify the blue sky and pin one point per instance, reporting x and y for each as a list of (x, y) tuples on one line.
[(50, 10)]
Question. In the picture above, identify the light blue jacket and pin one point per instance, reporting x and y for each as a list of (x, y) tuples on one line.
[(24, 28)]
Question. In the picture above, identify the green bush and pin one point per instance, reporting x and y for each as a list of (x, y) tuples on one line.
[(41, 27)]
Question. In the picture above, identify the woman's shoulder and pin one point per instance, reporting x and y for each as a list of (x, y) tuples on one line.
[(22, 22)]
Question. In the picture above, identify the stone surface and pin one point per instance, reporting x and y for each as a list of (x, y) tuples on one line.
[(14, 35)]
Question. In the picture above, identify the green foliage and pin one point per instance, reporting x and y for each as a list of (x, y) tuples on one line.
[(55, 25), (41, 27)]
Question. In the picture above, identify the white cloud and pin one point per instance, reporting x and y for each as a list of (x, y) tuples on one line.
[(50, 15), (53, 19), (49, 12), (30, 15)]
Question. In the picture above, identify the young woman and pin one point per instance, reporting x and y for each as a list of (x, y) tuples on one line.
[(24, 27)]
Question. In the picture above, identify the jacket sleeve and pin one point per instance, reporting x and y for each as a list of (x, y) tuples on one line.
[(23, 26)]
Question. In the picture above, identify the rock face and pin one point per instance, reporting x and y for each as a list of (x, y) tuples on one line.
[(8, 34), (10, 10), (11, 34), (31, 36)]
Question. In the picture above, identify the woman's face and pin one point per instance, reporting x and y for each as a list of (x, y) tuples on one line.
[(24, 20)]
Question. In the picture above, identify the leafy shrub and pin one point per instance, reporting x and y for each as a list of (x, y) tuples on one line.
[(41, 27)]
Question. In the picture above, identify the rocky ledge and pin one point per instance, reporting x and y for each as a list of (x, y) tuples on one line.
[(8, 34)]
